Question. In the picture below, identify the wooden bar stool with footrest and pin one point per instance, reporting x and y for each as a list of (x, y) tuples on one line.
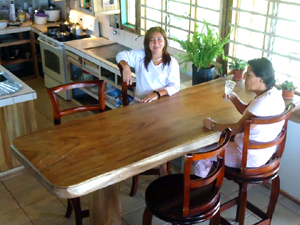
[(153, 171), (186, 198), (246, 176), (74, 203)]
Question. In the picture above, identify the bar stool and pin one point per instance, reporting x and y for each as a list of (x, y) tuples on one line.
[(186, 198), (269, 172), (74, 203), (153, 171)]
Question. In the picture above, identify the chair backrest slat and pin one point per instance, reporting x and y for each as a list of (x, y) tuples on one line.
[(58, 113), (215, 178), (279, 142)]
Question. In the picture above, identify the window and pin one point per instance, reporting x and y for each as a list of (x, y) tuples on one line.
[(262, 28), (129, 15), (267, 29)]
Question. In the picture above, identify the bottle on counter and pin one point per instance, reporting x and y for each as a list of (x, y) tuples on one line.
[(21, 14), (12, 12)]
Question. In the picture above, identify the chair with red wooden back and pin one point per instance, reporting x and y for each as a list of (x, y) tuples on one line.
[(186, 198), (125, 102), (269, 172), (74, 203)]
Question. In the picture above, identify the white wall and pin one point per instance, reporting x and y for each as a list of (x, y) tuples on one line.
[(290, 162)]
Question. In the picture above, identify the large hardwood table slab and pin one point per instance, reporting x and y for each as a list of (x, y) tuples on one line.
[(93, 154)]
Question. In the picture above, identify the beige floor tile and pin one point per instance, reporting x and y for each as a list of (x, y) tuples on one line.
[(289, 204), (130, 204), (15, 217), (249, 220), (143, 183), (266, 190), (42, 121), (8, 203), (2, 187), (30, 193), (284, 216), (257, 198), (19, 181), (43, 211), (124, 186), (136, 217), (228, 187)]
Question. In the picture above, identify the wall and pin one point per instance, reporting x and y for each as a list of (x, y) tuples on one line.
[(290, 166)]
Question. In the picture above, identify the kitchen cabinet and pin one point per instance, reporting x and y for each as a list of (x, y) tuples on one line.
[(16, 53), (98, 7), (17, 115), (81, 68)]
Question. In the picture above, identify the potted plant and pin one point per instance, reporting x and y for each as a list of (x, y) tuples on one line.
[(202, 49), (237, 66), (287, 88)]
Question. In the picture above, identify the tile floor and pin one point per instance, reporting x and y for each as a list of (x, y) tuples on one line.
[(24, 201)]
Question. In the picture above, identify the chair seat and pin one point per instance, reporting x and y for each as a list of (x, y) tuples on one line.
[(167, 203), (254, 178)]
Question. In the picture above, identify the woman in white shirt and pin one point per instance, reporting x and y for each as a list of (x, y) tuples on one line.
[(260, 79), (157, 72)]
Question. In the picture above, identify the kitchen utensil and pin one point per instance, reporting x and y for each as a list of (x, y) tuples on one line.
[(78, 30), (52, 30), (40, 18), (53, 14), (62, 34)]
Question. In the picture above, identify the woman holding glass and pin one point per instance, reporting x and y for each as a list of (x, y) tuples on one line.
[(260, 79)]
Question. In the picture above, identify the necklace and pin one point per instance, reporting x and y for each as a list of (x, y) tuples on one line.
[(156, 60)]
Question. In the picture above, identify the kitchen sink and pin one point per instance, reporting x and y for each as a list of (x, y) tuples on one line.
[(108, 52), (8, 85)]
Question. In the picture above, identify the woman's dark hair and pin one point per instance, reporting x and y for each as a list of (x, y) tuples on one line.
[(166, 57), (263, 68)]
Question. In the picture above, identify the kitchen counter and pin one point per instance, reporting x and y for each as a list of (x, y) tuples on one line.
[(80, 48), (17, 118), (25, 94)]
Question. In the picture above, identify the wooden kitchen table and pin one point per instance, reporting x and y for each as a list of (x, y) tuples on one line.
[(93, 154)]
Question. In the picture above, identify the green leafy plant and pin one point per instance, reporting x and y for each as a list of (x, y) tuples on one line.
[(237, 64), (287, 85), (203, 48)]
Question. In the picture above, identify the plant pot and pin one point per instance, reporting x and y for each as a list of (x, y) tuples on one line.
[(238, 74), (203, 75), (287, 94)]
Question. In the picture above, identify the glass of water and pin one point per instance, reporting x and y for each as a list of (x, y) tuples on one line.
[(229, 86)]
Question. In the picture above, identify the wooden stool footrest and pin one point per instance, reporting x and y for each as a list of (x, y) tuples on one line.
[(257, 211), (228, 204)]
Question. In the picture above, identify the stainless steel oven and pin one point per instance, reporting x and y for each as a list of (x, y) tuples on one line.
[(53, 52), (54, 63)]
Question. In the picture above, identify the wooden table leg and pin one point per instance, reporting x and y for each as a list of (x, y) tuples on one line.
[(105, 206)]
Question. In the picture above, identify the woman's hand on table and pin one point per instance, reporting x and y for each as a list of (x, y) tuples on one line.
[(149, 98)]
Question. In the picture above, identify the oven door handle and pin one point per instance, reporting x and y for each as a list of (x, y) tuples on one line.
[(49, 44)]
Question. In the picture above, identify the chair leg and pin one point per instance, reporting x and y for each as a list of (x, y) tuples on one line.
[(134, 185), (69, 209), (77, 210), (241, 204), (216, 220), (274, 196), (147, 217)]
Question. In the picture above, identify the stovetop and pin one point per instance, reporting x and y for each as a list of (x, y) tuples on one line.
[(71, 37)]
